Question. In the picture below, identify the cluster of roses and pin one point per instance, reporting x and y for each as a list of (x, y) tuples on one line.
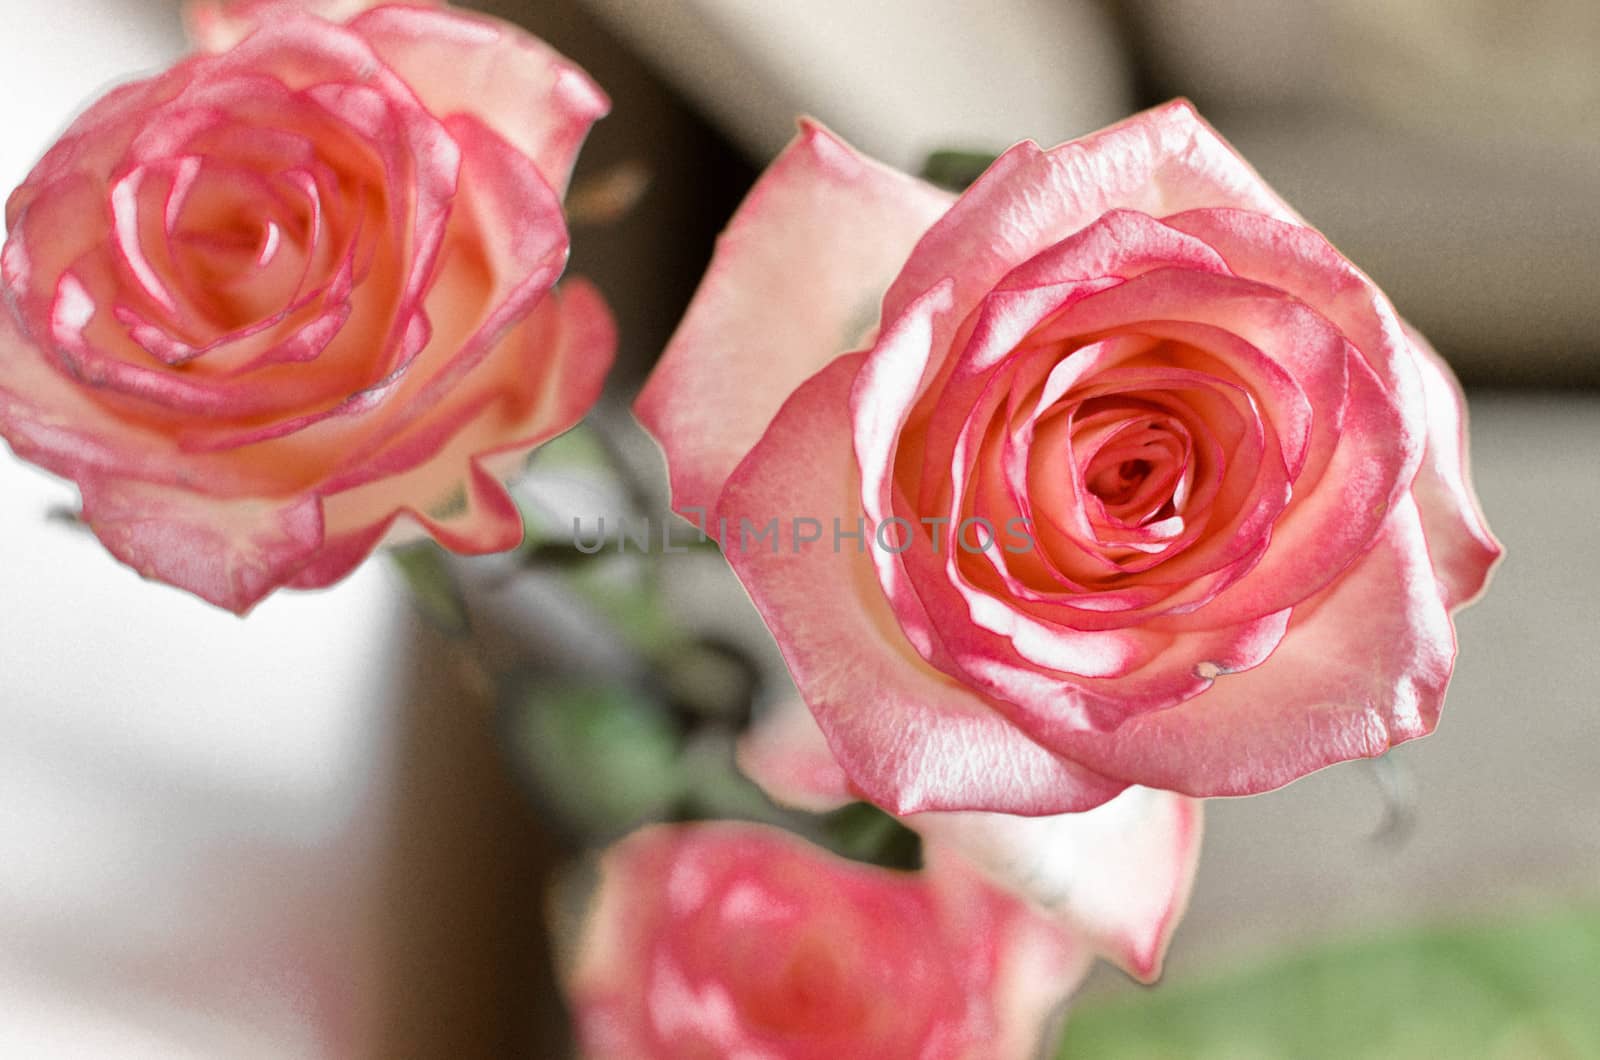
[(296, 296)]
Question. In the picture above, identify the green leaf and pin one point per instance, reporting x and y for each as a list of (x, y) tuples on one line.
[(1526, 988), (604, 758)]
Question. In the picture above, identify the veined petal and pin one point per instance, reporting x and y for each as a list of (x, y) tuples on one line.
[(460, 63), (1363, 667), (1119, 874), (444, 475), (1460, 545), (52, 421), (795, 281), (909, 737), (217, 25), (1160, 162), (231, 553)]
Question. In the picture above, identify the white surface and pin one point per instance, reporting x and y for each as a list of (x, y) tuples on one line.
[(189, 803)]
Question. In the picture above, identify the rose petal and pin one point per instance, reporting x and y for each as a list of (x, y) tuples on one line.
[(795, 282), (325, 77), (232, 552), (1119, 874), (909, 737), (229, 552), (729, 939), (217, 25), (97, 139), (1462, 548), (1329, 524), (505, 245), (785, 752), (881, 398), (1159, 162), (460, 63), (445, 474), (1301, 262), (1363, 667)]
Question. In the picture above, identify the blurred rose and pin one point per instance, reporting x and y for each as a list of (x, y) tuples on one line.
[(737, 940), (1155, 487), (274, 301), (1117, 876)]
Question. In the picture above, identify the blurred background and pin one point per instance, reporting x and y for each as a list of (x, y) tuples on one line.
[(304, 834)]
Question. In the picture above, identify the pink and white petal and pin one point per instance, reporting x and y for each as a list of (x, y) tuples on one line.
[(1460, 544), (361, 366), (1326, 528), (908, 737), (98, 138), (51, 420), (1160, 162), (462, 63), (1118, 875), (504, 247), (1043, 702), (217, 25), (1298, 260), (231, 553), (881, 400), (446, 475), (1363, 667), (795, 281), (787, 756)]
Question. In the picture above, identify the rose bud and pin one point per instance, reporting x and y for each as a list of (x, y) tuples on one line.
[(740, 940), (281, 301), (1137, 481)]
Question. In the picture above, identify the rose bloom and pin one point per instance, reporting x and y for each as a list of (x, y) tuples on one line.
[(1156, 487), (281, 299), (741, 940)]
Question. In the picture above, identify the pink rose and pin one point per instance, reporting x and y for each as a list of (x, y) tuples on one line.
[(1155, 487), (275, 302), (738, 940), (1117, 876)]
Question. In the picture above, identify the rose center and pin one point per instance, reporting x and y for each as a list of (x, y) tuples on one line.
[(240, 259), (1114, 485), (1137, 472)]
